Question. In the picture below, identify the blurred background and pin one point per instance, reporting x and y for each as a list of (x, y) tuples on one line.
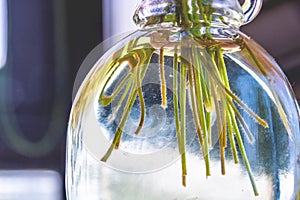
[(42, 45)]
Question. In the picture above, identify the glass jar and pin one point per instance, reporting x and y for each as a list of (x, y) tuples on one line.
[(187, 107)]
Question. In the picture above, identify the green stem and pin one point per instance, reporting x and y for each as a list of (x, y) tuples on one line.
[(244, 155), (182, 101), (194, 107), (182, 12), (247, 109), (275, 96), (114, 64), (201, 9), (242, 122), (175, 96), (142, 102), (231, 139), (122, 98), (118, 134), (221, 121), (225, 85), (206, 100), (232, 108), (222, 151), (142, 62), (257, 62), (201, 111), (162, 78), (106, 100), (195, 14)]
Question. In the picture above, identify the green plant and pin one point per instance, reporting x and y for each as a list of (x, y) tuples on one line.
[(208, 85)]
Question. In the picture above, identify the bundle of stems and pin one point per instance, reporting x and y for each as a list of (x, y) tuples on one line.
[(209, 89)]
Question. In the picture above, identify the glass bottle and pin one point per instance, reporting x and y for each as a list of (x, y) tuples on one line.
[(186, 107)]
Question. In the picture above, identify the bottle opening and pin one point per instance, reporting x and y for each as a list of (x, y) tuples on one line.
[(190, 13)]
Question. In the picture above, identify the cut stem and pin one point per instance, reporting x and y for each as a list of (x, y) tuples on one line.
[(182, 101), (118, 134), (194, 107), (175, 97), (162, 78), (142, 102), (201, 111), (243, 153), (122, 98)]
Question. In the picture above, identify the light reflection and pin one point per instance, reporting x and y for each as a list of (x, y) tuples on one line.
[(3, 32), (30, 185), (117, 16)]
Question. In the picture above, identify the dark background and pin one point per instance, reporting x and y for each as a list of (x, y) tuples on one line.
[(47, 42)]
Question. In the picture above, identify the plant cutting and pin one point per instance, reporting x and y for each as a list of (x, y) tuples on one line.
[(184, 104)]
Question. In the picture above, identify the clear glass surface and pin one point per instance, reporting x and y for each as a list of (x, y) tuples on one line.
[(145, 88)]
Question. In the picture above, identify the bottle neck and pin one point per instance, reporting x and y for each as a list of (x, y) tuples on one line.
[(190, 13)]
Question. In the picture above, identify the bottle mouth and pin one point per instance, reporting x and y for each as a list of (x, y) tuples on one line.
[(152, 12), (155, 12)]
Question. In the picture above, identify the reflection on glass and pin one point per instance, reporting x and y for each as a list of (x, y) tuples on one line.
[(3, 32)]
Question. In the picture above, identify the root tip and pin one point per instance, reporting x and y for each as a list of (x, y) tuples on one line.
[(184, 180)]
